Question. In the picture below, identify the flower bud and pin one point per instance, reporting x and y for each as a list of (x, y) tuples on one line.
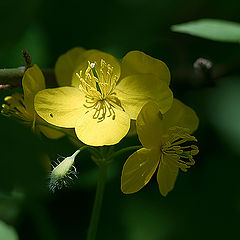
[(61, 174)]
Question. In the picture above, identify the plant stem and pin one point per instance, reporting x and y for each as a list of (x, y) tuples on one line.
[(12, 77), (92, 230), (114, 155)]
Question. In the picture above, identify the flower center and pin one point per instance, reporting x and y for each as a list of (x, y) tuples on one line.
[(15, 107), (98, 84), (175, 146)]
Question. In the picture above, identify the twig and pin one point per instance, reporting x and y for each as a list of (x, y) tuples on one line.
[(12, 77)]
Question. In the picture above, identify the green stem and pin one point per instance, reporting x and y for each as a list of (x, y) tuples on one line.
[(114, 155), (83, 148), (92, 230)]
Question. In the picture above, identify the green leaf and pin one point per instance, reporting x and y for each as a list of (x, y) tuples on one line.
[(214, 29), (7, 232)]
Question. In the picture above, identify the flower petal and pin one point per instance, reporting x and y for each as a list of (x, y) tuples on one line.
[(106, 132), (167, 173), (33, 81), (152, 125), (136, 62), (136, 90), (180, 115), (138, 170), (95, 56), (60, 106), (66, 64), (148, 125)]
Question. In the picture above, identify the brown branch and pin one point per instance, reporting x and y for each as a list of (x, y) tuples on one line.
[(27, 58), (12, 78)]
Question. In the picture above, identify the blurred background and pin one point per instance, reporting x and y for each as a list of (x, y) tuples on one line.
[(205, 203)]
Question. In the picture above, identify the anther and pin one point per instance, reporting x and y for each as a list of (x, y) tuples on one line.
[(172, 146)]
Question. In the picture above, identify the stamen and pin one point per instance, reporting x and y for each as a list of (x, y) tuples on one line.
[(183, 154), (98, 84), (15, 107)]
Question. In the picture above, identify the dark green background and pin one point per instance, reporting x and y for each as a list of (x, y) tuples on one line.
[(205, 203)]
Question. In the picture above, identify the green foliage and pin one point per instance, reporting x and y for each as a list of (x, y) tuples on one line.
[(202, 198), (213, 29), (7, 232), (225, 118), (21, 159)]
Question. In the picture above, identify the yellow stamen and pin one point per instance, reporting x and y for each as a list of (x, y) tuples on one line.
[(98, 85), (15, 107), (172, 147)]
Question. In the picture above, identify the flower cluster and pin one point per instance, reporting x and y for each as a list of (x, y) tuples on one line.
[(99, 97)]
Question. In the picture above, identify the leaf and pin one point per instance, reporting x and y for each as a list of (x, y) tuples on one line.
[(213, 29), (7, 232)]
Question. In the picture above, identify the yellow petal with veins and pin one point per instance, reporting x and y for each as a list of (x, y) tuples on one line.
[(95, 56), (66, 64), (167, 173), (180, 115), (136, 90), (33, 81), (60, 106), (138, 170), (152, 125), (148, 125), (136, 62), (108, 131)]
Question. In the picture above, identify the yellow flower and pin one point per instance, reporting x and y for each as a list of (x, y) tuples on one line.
[(164, 138), (101, 103), (66, 64), (22, 105)]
